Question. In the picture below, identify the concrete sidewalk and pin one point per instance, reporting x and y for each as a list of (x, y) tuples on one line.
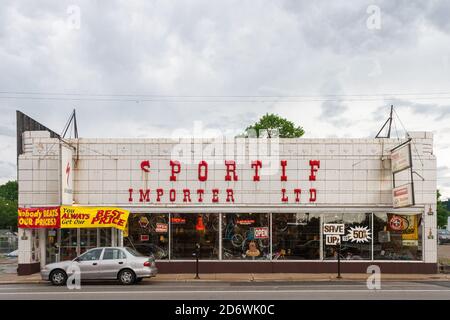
[(251, 277)]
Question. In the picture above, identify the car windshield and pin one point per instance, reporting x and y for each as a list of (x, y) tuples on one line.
[(134, 252)]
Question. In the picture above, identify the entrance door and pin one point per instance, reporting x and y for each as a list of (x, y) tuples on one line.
[(188, 229), (51, 250)]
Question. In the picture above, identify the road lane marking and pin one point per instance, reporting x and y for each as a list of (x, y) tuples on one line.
[(224, 291)]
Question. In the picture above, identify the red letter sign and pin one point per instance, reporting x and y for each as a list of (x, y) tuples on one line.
[(284, 198), (200, 193), (187, 195), (204, 176), (231, 168), (145, 166), (215, 193), (159, 193), (130, 191), (256, 164), (283, 170), (175, 164), (312, 195), (144, 196), (297, 194), (315, 165), (230, 196), (172, 195)]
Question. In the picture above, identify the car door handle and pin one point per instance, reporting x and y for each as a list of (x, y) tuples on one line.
[(121, 262), (94, 264)]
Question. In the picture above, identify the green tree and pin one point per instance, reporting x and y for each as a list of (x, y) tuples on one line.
[(442, 212), (9, 191), (8, 205), (286, 128)]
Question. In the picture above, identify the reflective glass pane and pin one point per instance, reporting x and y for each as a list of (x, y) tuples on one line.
[(245, 236), (356, 242), (296, 236), (68, 245), (148, 233), (190, 229), (397, 237)]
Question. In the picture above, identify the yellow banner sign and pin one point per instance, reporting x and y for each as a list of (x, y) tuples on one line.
[(98, 217)]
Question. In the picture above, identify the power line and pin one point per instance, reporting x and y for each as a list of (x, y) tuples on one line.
[(220, 96), (137, 100)]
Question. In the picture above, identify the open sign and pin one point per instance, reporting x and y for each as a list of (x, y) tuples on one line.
[(332, 239), (261, 233)]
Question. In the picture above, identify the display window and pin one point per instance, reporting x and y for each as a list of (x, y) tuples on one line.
[(149, 234), (397, 237), (88, 239), (356, 243), (68, 244), (245, 236), (188, 229), (296, 236)]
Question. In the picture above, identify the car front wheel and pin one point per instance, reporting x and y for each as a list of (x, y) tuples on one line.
[(58, 277), (127, 277)]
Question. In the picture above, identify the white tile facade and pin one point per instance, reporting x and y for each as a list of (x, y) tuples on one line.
[(351, 174)]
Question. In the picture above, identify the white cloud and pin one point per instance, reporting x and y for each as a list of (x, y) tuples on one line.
[(227, 48)]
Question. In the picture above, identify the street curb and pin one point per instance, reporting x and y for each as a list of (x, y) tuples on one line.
[(247, 280)]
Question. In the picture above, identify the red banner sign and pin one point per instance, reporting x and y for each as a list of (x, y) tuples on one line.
[(34, 218)]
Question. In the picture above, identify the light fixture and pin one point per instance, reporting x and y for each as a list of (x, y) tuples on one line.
[(430, 211)]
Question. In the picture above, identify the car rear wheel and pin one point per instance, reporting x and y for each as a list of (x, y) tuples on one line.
[(127, 277), (58, 277)]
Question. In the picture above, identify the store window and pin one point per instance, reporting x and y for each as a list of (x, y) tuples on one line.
[(397, 237), (52, 250), (68, 245), (104, 239), (188, 229), (148, 233), (357, 241), (245, 236), (296, 236), (88, 239)]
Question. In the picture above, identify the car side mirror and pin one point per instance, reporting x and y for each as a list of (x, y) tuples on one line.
[(77, 259)]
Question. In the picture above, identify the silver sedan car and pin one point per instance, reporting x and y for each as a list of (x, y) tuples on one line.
[(109, 263)]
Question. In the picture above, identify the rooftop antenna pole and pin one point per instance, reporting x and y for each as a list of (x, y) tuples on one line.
[(388, 122), (72, 119)]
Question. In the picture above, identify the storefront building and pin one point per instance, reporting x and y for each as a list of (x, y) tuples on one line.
[(253, 205)]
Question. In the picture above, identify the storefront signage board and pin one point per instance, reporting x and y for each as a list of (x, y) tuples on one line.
[(403, 196), (162, 228), (98, 217), (332, 239), (401, 158), (37, 218), (358, 234), (334, 228), (67, 172)]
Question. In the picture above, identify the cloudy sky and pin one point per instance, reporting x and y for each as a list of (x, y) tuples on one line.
[(149, 68)]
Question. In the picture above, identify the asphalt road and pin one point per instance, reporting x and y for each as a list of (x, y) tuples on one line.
[(231, 291)]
